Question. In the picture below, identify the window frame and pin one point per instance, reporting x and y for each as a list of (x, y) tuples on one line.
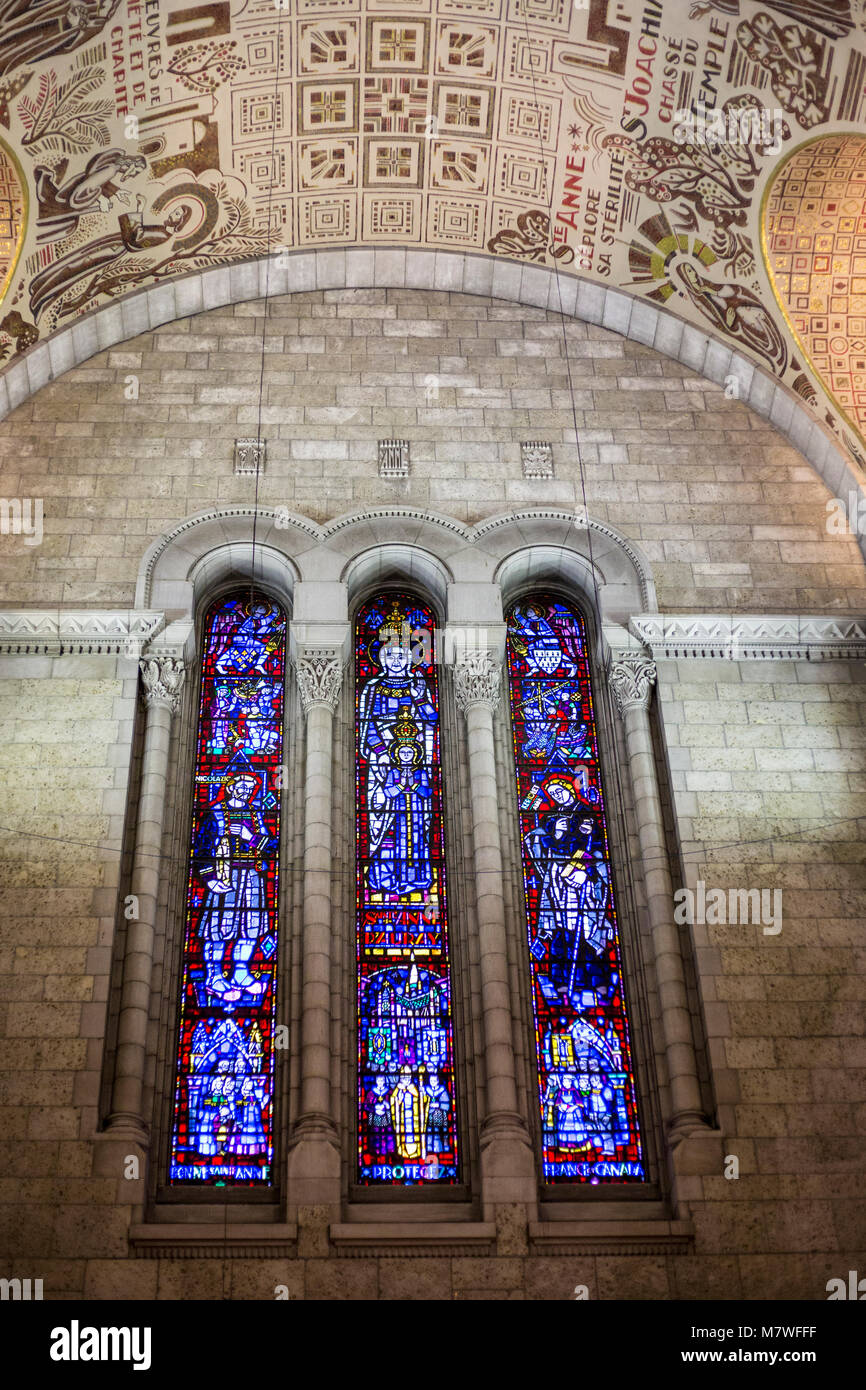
[(209, 1200), (628, 911), (464, 1193)]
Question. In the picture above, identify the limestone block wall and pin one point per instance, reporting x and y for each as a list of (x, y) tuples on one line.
[(730, 515), (65, 755), (768, 764), (766, 758)]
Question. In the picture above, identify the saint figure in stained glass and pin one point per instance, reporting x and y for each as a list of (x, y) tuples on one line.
[(406, 1104), (223, 1123), (586, 1092)]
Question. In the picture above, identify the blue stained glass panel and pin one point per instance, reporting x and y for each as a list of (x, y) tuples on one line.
[(407, 1131), (223, 1116), (589, 1120)]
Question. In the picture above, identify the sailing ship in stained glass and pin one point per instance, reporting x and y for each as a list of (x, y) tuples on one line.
[(406, 1099), (224, 1099), (589, 1119)]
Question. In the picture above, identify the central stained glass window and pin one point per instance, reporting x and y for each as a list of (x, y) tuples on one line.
[(407, 1131), (586, 1093), (224, 1102)]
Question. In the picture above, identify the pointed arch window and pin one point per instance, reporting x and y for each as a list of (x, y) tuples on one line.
[(407, 1128), (224, 1095), (586, 1091)]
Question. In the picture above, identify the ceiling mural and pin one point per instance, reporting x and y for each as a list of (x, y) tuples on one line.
[(628, 141), (815, 243)]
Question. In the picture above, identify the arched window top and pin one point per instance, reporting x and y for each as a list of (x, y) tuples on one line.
[(586, 1092), (224, 1099)]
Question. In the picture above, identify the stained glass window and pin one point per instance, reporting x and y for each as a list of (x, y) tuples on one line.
[(407, 1131), (589, 1119), (223, 1117)]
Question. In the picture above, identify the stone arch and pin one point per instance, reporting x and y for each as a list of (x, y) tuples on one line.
[(207, 550), (534, 286)]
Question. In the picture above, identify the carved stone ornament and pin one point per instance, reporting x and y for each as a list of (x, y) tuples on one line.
[(163, 678), (250, 456), (632, 677), (477, 676), (320, 677), (536, 455), (393, 458)]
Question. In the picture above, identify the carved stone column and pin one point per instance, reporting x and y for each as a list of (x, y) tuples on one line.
[(314, 1158), (507, 1162), (162, 678), (632, 676)]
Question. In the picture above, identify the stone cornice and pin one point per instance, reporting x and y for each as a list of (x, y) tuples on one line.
[(93, 632), (751, 637)]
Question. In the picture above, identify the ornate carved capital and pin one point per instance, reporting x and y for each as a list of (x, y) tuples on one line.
[(162, 678), (320, 677), (477, 676), (632, 676)]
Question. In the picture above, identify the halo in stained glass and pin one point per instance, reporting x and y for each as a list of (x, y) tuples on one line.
[(586, 1092), (407, 1129), (224, 1096)]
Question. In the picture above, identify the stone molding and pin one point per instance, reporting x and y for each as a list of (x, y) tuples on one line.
[(162, 678), (477, 679), (615, 309), (95, 632), (286, 523), (632, 676), (320, 676), (752, 637), (196, 1241), (404, 1236)]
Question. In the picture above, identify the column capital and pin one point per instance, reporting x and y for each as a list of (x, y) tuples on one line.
[(631, 677), (320, 676), (162, 678), (477, 678)]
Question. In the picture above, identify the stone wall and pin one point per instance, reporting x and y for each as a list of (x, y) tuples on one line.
[(65, 753), (732, 520), (768, 767), (729, 514)]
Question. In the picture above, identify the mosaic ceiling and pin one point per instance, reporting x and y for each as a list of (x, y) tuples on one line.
[(628, 141), (815, 235)]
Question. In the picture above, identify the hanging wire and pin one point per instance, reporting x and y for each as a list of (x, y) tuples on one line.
[(281, 11)]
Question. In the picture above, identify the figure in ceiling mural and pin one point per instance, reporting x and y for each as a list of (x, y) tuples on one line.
[(547, 138), (207, 222), (133, 235), (31, 30), (62, 200)]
